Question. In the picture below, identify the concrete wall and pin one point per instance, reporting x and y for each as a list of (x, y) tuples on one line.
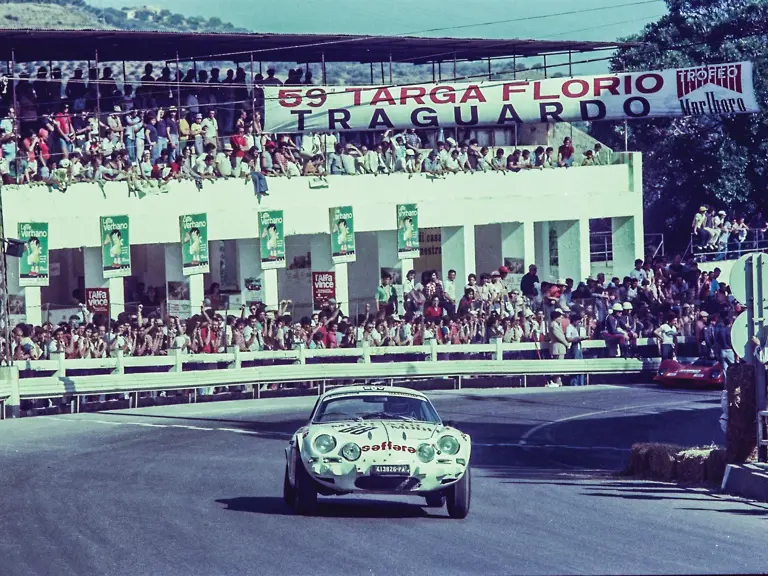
[(560, 194)]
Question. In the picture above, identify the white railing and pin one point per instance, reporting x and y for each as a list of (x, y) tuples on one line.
[(58, 382)]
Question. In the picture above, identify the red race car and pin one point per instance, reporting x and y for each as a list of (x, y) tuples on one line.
[(702, 372)]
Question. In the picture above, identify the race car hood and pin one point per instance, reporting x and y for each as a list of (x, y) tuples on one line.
[(377, 431)]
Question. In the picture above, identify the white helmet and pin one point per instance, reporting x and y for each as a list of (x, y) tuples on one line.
[(617, 307)]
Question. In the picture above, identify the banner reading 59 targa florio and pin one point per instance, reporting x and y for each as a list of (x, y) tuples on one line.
[(33, 264), (115, 246), (193, 229), (342, 234), (272, 239), (407, 231), (701, 90)]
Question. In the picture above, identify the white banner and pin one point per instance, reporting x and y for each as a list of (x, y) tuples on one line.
[(703, 90)]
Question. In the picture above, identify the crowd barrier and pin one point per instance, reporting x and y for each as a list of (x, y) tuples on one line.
[(59, 378)]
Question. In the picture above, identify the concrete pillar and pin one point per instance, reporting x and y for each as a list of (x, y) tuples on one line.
[(249, 269), (458, 251), (10, 375), (320, 250), (93, 272), (573, 249), (174, 273), (541, 250), (626, 246), (33, 310)]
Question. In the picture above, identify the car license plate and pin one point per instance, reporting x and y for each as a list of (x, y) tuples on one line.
[(396, 469)]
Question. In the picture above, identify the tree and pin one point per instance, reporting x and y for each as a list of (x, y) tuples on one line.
[(722, 160)]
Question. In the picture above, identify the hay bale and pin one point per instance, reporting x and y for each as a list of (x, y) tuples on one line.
[(652, 460), (740, 437), (691, 465), (638, 460), (662, 462), (715, 466)]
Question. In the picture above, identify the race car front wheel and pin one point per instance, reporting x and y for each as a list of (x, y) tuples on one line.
[(458, 497), (289, 492), (306, 493)]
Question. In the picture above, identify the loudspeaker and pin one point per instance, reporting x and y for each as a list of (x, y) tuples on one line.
[(14, 247)]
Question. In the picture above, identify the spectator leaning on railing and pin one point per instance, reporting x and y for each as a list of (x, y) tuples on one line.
[(60, 138), (673, 301)]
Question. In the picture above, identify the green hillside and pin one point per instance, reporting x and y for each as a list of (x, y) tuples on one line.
[(61, 14)]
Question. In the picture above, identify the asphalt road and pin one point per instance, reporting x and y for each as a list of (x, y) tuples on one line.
[(196, 489)]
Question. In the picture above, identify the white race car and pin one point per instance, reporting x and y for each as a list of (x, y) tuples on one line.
[(379, 440)]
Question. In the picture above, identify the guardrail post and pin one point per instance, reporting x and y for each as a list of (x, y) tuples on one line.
[(366, 352), (119, 369), (238, 361), (499, 353), (178, 364), (61, 370), (300, 358), (13, 405), (433, 350)]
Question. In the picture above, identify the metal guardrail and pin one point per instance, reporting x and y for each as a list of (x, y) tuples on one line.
[(302, 366)]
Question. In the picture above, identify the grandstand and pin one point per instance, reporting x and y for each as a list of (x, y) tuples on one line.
[(160, 213)]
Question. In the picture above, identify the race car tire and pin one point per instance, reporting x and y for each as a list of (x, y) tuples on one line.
[(306, 493), (458, 497), (289, 492), (435, 499)]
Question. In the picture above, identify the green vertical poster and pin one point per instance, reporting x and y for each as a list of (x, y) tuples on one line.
[(115, 246), (342, 234), (272, 239), (33, 264), (407, 231), (193, 230)]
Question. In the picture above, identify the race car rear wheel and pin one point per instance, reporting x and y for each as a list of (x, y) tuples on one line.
[(459, 496), (289, 492), (435, 499), (306, 493)]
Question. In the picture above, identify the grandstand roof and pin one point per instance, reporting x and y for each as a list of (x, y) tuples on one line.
[(31, 45)]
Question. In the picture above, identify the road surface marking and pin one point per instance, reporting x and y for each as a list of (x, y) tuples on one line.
[(535, 429)]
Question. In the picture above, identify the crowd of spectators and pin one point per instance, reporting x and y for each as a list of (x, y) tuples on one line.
[(716, 235), (201, 126), (666, 301)]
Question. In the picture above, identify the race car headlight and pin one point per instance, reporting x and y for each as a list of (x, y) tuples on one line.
[(324, 443), (448, 445), (426, 453), (715, 374), (351, 451), (662, 371)]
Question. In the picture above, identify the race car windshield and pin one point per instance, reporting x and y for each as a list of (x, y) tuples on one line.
[(376, 407)]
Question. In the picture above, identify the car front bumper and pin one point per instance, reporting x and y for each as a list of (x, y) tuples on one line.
[(345, 476)]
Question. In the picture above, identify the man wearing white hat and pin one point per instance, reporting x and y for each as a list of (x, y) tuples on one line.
[(614, 333), (631, 326), (701, 236)]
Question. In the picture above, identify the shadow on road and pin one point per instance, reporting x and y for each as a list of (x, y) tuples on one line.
[(329, 508)]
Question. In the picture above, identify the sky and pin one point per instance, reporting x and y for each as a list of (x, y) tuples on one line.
[(594, 20)]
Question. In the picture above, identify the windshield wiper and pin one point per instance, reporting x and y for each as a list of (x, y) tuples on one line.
[(385, 415)]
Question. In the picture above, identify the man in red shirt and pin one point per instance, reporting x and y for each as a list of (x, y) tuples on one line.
[(65, 133), (434, 310), (565, 153)]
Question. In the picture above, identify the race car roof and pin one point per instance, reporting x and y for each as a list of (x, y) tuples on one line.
[(373, 389)]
